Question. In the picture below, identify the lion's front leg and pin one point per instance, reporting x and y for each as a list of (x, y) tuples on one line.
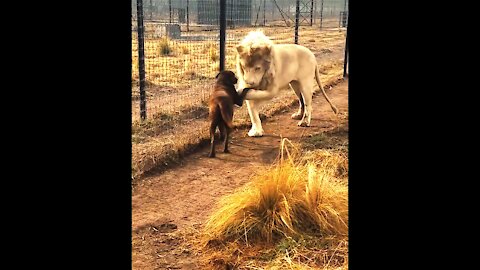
[(262, 95), (255, 99), (253, 107)]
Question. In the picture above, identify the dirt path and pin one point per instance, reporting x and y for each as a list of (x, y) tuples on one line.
[(181, 198)]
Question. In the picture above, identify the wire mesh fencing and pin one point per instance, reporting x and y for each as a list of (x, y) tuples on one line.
[(182, 42), (178, 63)]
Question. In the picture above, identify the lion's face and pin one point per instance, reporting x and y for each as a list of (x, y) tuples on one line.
[(253, 72), (254, 62)]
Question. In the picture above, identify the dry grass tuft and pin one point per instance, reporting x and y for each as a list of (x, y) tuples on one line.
[(213, 54), (165, 48), (290, 199), (293, 215), (185, 49)]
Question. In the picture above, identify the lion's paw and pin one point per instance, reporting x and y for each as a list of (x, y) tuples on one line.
[(297, 116), (303, 124), (255, 133)]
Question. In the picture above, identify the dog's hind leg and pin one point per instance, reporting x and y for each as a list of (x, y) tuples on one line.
[(226, 110), (225, 143), (213, 126), (221, 127), (224, 135)]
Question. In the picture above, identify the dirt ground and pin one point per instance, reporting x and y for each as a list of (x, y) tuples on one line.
[(168, 209)]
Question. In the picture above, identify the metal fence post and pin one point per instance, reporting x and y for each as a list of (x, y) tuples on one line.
[(345, 14), (141, 60), (151, 10), (273, 14), (297, 15), (321, 15), (231, 24), (223, 26), (311, 14), (170, 11), (345, 61), (264, 19)]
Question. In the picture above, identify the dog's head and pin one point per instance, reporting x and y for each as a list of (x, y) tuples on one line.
[(226, 76)]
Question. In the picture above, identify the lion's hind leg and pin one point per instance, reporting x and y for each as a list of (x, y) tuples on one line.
[(306, 89), (295, 86)]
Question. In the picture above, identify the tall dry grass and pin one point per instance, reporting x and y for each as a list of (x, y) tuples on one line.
[(294, 197), (164, 47), (293, 215)]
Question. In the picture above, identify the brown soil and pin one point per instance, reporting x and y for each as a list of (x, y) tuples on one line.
[(169, 209)]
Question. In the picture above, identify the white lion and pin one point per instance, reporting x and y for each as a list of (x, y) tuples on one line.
[(267, 67)]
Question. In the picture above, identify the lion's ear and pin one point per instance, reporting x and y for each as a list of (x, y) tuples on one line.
[(264, 50), (240, 49)]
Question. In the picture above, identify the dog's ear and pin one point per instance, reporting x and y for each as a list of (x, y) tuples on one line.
[(233, 78)]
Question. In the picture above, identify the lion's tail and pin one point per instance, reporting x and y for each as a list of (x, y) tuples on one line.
[(317, 78)]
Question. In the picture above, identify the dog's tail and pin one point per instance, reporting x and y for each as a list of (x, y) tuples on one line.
[(317, 78), (227, 114)]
